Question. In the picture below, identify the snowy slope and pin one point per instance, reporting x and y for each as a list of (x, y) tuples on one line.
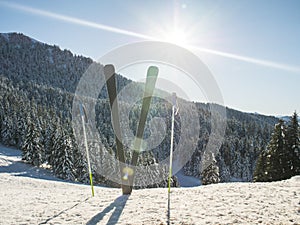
[(187, 181), (28, 200), (11, 162)]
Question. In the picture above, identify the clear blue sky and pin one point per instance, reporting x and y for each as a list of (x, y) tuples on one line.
[(256, 44)]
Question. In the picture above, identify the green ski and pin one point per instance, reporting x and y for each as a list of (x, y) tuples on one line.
[(152, 74)]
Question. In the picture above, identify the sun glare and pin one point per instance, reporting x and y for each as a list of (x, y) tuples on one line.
[(177, 37)]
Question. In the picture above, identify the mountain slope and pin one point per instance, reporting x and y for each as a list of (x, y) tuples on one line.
[(37, 85)]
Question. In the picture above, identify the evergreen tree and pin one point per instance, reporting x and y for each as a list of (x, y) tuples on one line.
[(276, 157), (20, 125), (80, 164), (210, 174), (32, 151), (50, 139), (293, 147), (281, 160), (260, 172), (7, 131), (63, 161)]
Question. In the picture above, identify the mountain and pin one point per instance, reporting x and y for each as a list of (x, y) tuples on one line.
[(286, 118), (37, 86)]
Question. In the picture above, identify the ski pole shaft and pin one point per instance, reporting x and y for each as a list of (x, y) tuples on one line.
[(171, 145), (83, 115)]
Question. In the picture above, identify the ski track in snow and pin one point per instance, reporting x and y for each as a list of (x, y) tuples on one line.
[(30, 195)]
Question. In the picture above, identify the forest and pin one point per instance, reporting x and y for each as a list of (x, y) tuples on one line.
[(37, 87)]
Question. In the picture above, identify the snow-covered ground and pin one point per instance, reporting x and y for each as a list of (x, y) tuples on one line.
[(187, 181), (32, 196)]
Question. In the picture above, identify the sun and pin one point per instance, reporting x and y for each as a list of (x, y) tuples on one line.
[(176, 36)]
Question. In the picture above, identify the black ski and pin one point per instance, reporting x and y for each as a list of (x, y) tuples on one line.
[(109, 72)]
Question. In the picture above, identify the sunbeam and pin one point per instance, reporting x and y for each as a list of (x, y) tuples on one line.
[(261, 62), (74, 20), (99, 26)]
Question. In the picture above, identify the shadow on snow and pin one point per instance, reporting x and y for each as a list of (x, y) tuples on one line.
[(118, 206)]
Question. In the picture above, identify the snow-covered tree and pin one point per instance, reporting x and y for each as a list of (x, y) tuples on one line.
[(63, 161), (281, 160), (260, 172), (50, 139), (210, 174), (32, 150), (7, 131), (293, 147), (276, 157), (80, 164)]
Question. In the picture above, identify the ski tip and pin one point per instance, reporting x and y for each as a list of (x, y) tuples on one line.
[(152, 71), (109, 69)]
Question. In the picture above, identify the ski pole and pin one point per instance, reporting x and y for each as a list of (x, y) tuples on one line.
[(84, 120), (172, 137)]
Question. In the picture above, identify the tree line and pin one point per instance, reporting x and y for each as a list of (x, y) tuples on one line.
[(281, 159)]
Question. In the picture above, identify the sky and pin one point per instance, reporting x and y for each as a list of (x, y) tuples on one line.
[(252, 48)]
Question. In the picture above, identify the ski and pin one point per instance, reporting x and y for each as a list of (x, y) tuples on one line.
[(109, 72), (152, 74), (127, 174)]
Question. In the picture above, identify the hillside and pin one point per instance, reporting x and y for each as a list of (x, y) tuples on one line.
[(29, 196), (37, 85)]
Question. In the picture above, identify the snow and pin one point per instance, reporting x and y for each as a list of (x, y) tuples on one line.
[(34, 41), (50, 56), (287, 118), (6, 36), (187, 181), (11, 162), (32, 196)]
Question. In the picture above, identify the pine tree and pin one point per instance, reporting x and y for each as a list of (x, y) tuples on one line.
[(80, 164), (32, 151), (20, 125), (260, 172), (9, 128), (281, 159), (50, 139), (210, 175), (293, 147), (276, 157), (63, 161)]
